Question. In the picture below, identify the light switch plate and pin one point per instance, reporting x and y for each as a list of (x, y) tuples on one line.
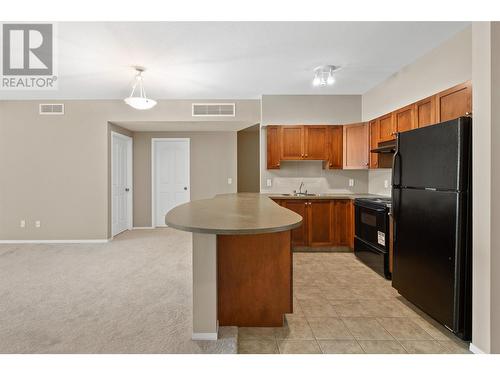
[(22, 223), (229, 181), (351, 182), (269, 182), (37, 224), (386, 184)]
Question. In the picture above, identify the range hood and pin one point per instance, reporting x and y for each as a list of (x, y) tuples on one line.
[(387, 147)]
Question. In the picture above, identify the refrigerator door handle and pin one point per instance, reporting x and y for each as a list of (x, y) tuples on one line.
[(396, 166), (395, 212)]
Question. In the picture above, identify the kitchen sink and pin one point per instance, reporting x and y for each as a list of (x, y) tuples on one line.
[(300, 195)]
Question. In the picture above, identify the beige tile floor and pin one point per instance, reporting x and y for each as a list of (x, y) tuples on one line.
[(342, 306)]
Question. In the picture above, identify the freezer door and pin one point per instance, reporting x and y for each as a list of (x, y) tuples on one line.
[(434, 157), (425, 247)]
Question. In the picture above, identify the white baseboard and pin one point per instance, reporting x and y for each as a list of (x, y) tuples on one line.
[(134, 228), (204, 336), (474, 349), (53, 241)]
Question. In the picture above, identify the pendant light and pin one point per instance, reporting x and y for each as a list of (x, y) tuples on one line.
[(139, 101)]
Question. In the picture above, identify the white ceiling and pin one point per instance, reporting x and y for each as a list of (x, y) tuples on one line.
[(233, 59)]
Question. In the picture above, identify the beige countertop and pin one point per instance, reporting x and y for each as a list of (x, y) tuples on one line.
[(243, 213)]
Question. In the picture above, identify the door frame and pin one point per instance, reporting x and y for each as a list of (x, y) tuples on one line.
[(130, 171), (154, 141)]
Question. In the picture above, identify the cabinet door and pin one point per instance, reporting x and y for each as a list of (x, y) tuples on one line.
[(385, 128), (299, 235), (425, 112), (315, 142), (404, 119), (355, 148), (320, 223), (292, 142), (278, 201), (454, 102), (373, 143), (335, 146), (341, 222), (351, 222), (273, 147)]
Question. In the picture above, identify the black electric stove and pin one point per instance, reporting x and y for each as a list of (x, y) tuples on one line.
[(371, 240)]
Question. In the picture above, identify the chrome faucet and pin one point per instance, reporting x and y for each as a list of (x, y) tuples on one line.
[(300, 190)]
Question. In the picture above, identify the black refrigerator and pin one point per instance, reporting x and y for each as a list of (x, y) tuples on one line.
[(432, 212)]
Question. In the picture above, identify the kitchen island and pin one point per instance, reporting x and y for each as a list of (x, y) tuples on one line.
[(242, 261)]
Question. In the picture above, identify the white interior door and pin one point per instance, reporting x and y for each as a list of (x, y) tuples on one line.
[(121, 176), (170, 176)]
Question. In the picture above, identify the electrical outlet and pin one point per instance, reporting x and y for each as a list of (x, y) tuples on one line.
[(38, 224), (386, 184), (229, 181), (351, 182), (22, 223), (269, 182)]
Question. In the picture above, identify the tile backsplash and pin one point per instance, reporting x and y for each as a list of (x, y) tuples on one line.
[(315, 178)]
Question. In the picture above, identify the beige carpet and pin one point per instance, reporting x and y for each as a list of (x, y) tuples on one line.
[(132, 295)]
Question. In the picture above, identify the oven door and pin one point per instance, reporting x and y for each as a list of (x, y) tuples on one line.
[(371, 226)]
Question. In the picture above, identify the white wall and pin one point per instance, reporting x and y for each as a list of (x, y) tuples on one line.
[(55, 168), (445, 66), (486, 187), (304, 110)]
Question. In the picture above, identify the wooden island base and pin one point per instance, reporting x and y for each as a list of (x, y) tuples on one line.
[(254, 279)]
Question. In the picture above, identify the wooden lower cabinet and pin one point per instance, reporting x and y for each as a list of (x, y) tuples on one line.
[(300, 234), (254, 279), (326, 222), (320, 222), (341, 215)]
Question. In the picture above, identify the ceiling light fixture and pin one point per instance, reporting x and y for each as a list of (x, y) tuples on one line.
[(323, 75), (140, 100)]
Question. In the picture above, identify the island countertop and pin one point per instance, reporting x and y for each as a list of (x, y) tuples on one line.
[(243, 213)]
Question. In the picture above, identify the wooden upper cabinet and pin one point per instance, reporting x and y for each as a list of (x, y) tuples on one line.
[(355, 146), (374, 139), (425, 112), (273, 147), (319, 221), (454, 102), (335, 145), (315, 142), (292, 145), (386, 128), (404, 119)]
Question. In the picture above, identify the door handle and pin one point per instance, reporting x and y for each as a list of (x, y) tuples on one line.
[(185, 188), (127, 189)]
